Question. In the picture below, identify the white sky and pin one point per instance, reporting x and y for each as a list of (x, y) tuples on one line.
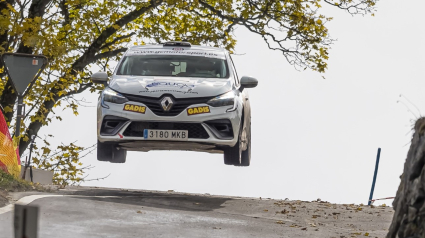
[(312, 137)]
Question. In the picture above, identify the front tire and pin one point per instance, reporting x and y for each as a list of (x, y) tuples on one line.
[(104, 151), (232, 155), (246, 154), (110, 153), (119, 155), (235, 155)]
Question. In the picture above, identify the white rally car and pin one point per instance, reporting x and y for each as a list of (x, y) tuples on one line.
[(174, 96)]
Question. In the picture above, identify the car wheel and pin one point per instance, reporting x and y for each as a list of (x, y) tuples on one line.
[(246, 154), (119, 155), (232, 155), (104, 151)]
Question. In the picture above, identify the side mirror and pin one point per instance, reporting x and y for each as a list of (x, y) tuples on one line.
[(100, 77), (248, 82)]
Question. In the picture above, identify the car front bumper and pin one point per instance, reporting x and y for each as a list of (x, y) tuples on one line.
[(123, 136)]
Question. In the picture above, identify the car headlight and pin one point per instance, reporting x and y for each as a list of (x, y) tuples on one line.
[(227, 99), (110, 95)]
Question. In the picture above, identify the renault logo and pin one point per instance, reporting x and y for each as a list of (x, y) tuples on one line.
[(167, 103)]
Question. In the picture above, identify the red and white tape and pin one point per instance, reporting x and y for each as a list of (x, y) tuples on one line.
[(373, 200)]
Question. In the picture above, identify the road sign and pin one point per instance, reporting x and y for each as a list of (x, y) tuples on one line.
[(25, 221), (23, 69)]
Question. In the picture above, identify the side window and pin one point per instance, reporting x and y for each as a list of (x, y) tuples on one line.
[(234, 70), (123, 68)]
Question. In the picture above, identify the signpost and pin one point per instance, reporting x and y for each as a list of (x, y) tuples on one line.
[(23, 70)]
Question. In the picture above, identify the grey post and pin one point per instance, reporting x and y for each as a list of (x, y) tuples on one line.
[(25, 221)]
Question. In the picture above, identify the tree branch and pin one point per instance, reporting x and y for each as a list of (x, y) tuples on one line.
[(37, 9), (117, 39), (109, 31), (80, 90), (108, 54), (363, 7), (9, 96), (88, 57), (65, 12)]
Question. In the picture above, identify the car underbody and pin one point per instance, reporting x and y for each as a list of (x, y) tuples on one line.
[(145, 146)]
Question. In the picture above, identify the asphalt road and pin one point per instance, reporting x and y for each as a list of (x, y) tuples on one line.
[(101, 212)]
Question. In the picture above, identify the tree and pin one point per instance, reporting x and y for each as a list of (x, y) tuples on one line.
[(64, 162), (77, 35)]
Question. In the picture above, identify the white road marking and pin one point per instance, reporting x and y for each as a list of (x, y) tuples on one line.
[(29, 199), (25, 201)]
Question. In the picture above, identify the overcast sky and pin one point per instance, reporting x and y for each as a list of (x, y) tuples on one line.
[(312, 137)]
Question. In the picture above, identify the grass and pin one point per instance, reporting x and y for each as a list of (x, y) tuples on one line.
[(12, 184), (9, 183)]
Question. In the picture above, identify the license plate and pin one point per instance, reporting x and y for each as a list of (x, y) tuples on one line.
[(165, 134)]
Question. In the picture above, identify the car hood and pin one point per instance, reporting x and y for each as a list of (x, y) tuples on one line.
[(179, 87)]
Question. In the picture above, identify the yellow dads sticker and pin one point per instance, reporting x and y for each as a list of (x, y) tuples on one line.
[(134, 108), (197, 110)]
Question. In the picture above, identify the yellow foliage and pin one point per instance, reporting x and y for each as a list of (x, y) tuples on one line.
[(79, 36)]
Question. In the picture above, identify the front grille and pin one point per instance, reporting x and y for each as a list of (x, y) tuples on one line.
[(196, 130), (154, 104)]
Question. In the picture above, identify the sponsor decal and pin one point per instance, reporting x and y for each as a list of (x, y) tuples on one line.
[(198, 110), (178, 49), (177, 52), (134, 108), (168, 91), (170, 84)]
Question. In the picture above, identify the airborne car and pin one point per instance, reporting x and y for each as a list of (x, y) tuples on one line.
[(174, 96)]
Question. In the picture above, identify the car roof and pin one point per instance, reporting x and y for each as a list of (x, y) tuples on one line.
[(192, 47), (178, 48)]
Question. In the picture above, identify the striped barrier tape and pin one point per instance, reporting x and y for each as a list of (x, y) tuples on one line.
[(9, 152), (373, 200)]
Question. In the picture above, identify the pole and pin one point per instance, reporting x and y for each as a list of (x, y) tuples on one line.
[(29, 159), (374, 176), (25, 168), (19, 116)]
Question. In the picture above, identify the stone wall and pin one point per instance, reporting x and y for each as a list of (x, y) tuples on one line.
[(409, 204)]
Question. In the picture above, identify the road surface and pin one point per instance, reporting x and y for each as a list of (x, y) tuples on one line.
[(102, 212)]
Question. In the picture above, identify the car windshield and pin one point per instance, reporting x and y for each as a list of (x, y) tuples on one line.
[(174, 65)]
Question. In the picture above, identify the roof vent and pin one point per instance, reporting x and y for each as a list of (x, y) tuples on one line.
[(177, 43)]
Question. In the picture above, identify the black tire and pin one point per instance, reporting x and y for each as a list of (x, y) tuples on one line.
[(119, 155), (104, 151), (246, 154), (110, 153), (232, 155)]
